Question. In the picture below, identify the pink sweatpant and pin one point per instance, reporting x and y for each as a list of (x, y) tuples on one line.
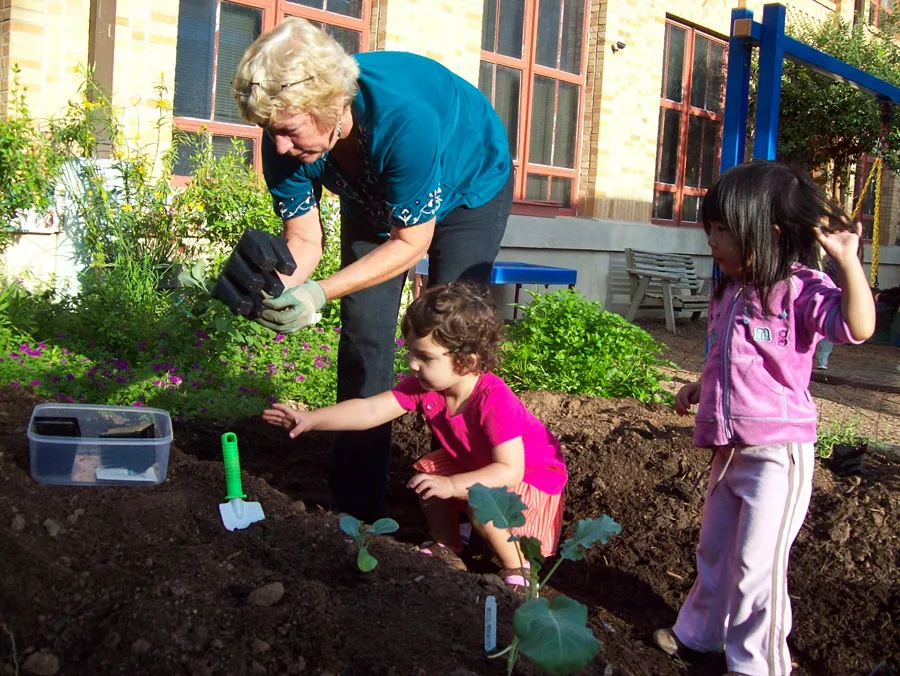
[(750, 520)]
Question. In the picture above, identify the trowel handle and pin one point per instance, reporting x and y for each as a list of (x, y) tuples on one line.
[(232, 467)]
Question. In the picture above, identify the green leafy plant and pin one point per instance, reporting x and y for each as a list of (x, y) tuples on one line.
[(28, 165), (842, 432), (363, 536), (551, 633), (567, 343)]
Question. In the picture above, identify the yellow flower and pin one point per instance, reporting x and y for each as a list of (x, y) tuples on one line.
[(126, 207)]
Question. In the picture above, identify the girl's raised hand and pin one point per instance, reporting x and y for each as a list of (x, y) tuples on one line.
[(841, 244), (288, 418)]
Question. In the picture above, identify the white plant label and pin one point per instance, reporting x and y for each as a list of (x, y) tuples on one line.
[(490, 624)]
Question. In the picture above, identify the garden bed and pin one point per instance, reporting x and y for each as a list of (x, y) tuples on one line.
[(122, 581)]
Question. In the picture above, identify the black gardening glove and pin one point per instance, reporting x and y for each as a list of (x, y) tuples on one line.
[(251, 270)]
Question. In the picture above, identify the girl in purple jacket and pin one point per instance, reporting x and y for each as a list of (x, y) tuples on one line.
[(755, 412)]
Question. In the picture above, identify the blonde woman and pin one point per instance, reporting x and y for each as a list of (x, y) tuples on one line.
[(421, 164)]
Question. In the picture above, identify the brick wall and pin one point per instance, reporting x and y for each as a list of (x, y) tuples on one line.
[(448, 31)]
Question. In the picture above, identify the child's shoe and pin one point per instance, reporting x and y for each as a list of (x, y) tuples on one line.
[(514, 577), (667, 641), (445, 554)]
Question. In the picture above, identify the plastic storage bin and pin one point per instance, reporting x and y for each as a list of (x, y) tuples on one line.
[(81, 444)]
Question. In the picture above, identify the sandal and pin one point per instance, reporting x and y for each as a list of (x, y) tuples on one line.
[(513, 577), (444, 553)]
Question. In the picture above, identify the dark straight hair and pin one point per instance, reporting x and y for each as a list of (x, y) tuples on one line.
[(749, 200)]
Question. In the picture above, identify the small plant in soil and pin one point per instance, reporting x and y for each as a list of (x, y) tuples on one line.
[(363, 536), (551, 633)]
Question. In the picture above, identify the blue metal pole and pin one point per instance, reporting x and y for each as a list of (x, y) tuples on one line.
[(771, 63), (737, 95)]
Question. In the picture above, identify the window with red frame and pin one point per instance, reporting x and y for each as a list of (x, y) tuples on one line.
[(876, 7), (212, 38), (867, 211), (532, 70), (690, 123)]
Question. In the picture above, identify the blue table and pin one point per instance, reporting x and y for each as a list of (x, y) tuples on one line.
[(508, 272)]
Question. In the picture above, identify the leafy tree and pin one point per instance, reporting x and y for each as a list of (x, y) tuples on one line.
[(826, 125)]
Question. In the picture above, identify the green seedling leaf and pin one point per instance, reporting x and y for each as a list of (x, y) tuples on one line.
[(350, 525), (384, 526), (365, 561), (531, 549), (587, 532), (499, 505), (554, 634)]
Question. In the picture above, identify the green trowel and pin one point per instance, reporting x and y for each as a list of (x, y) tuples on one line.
[(236, 513)]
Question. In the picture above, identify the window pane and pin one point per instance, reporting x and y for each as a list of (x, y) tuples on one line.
[(573, 30), (712, 138), (690, 208), (238, 27), (716, 90), (505, 98), (548, 33), (506, 103), (667, 162), (541, 151), (194, 58), (694, 151), (316, 4), (186, 144), (345, 37), (674, 64), (489, 25), (512, 23), (566, 125), (664, 205), (561, 191), (700, 74), (536, 187), (346, 7)]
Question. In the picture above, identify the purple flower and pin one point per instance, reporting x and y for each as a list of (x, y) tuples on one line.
[(299, 378), (14, 383), (201, 335), (319, 329), (56, 379), (337, 329), (142, 345), (195, 383), (326, 348), (271, 399), (139, 403), (70, 377), (63, 360), (279, 337), (243, 390), (203, 409), (158, 383), (35, 383), (66, 351), (175, 380), (120, 380), (305, 346), (400, 342)]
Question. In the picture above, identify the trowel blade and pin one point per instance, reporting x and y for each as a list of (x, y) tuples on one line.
[(237, 514)]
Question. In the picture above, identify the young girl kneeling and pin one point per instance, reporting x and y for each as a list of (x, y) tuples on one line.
[(755, 412), (485, 433)]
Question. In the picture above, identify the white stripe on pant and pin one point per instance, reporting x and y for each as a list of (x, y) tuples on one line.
[(750, 520)]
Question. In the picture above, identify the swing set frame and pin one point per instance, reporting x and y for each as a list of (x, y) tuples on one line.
[(774, 47)]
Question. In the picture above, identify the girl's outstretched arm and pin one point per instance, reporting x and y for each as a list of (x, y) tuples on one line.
[(353, 414), (857, 304)]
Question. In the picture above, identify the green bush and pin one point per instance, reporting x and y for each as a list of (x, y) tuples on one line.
[(569, 344), (28, 166)]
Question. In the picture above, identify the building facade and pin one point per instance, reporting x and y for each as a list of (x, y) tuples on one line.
[(613, 107)]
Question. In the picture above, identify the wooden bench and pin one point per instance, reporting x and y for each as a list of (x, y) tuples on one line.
[(654, 276)]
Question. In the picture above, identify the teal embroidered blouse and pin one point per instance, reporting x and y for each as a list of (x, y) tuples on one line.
[(431, 142)]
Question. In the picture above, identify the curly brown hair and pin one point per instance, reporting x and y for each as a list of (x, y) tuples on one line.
[(463, 318)]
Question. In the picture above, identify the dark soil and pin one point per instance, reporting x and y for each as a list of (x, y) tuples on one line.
[(148, 581)]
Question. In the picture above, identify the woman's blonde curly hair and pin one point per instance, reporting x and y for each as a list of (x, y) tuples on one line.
[(294, 51)]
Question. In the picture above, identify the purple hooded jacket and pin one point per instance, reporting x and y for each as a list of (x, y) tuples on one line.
[(755, 382)]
